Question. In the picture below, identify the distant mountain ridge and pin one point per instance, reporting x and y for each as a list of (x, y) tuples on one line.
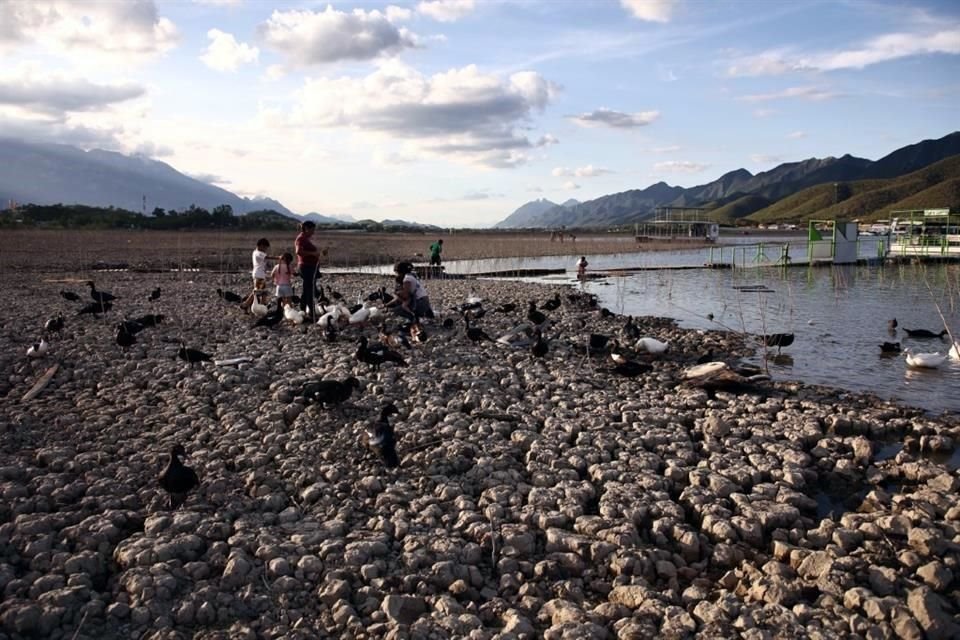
[(52, 173), (738, 193)]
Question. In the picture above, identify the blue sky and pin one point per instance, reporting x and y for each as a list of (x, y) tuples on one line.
[(456, 112)]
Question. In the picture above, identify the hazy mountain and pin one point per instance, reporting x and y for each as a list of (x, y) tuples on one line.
[(405, 223), (261, 203), (738, 193), (321, 219), (523, 216), (570, 203), (52, 173)]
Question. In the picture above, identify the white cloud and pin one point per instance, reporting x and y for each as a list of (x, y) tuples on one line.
[(874, 51), (759, 158), (463, 114), (398, 14), (309, 37), (209, 178), (570, 186), (671, 148), (225, 53), (446, 10), (588, 171), (679, 166), (616, 119), (803, 93), (54, 94), (123, 31), (796, 135), (650, 10)]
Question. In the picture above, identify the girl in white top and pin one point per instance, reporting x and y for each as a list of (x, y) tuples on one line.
[(259, 273), (412, 301)]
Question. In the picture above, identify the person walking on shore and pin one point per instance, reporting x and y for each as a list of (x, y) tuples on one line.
[(308, 258), (435, 250), (582, 267), (259, 274)]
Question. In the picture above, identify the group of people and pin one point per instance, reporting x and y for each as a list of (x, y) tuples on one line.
[(410, 301)]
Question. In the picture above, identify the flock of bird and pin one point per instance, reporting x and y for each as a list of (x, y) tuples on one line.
[(916, 359)]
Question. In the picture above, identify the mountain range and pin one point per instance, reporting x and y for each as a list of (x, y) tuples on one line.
[(741, 194)]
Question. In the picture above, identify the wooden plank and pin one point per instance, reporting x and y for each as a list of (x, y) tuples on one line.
[(40, 384)]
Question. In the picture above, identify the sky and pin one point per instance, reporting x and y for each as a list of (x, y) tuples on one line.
[(457, 112)]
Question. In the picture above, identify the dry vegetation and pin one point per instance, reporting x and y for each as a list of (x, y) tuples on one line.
[(75, 251)]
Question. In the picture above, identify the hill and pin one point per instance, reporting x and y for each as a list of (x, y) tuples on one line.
[(51, 173), (740, 195)]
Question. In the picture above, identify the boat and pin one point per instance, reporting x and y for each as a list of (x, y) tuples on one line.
[(925, 233)]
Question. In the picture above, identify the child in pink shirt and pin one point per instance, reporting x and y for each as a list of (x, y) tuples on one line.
[(282, 274)]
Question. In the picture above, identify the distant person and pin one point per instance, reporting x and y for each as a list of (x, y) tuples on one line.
[(412, 301), (582, 267), (435, 250), (259, 274), (282, 275), (308, 258)]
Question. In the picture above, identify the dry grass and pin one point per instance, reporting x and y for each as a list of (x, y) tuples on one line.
[(75, 251)]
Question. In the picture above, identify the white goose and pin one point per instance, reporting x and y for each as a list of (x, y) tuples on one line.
[(361, 315), (37, 349), (923, 360), (651, 345), (258, 308), (955, 351), (292, 314), (473, 298)]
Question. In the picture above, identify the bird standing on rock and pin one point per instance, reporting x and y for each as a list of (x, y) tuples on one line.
[(381, 437), (229, 296), (540, 347), (177, 479), (377, 356), (69, 295), (100, 296), (54, 324), (553, 303), (193, 356), (475, 334), (535, 316), (124, 338), (38, 348), (327, 392), (96, 308), (155, 294)]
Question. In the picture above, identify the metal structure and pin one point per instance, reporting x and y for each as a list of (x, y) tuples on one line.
[(678, 224), (931, 233), (833, 241)]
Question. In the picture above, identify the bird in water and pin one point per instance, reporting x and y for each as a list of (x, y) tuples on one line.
[(69, 295), (890, 347), (192, 356), (377, 355), (328, 392), (892, 325), (382, 439), (100, 296), (778, 340), (475, 334), (38, 348), (54, 324), (924, 360), (924, 334), (155, 294), (178, 479), (229, 296)]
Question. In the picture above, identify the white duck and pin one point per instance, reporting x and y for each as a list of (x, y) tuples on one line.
[(520, 336), (361, 315), (473, 298), (292, 314), (37, 349), (923, 360), (955, 351), (376, 315), (258, 309), (651, 345)]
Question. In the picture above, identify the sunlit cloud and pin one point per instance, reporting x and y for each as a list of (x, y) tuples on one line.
[(226, 54), (650, 10), (759, 158), (446, 10), (588, 171), (796, 135), (615, 119), (679, 166), (801, 93), (570, 186)]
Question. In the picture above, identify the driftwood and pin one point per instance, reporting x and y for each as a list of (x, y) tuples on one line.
[(230, 361), (40, 384)]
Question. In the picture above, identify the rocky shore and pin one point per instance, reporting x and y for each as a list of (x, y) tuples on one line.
[(535, 497)]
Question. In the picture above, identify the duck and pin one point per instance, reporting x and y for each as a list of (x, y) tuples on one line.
[(336, 295), (473, 299), (361, 315), (954, 352), (192, 356), (631, 368), (178, 479), (630, 331), (100, 296), (394, 340), (39, 348), (924, 334), (329, 392), (535, 316), (540, 346), (272, 318), (155, 294), (150, 320), (892, 325), (476, 334), (890, 347), (382, 439), (124, 338), (229, 296), (54, 324), (651, 345), (257, 308), (69, 295), (506, 307), (598, 342), (519, 336), (923, 360), (329, 330), (553, 303), (293, 315), (377, 356), (130, 326), (778, 340), (96, 308)]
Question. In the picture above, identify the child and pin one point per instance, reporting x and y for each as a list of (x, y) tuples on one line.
[(582, 267), (259, 274), (282, 274)]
